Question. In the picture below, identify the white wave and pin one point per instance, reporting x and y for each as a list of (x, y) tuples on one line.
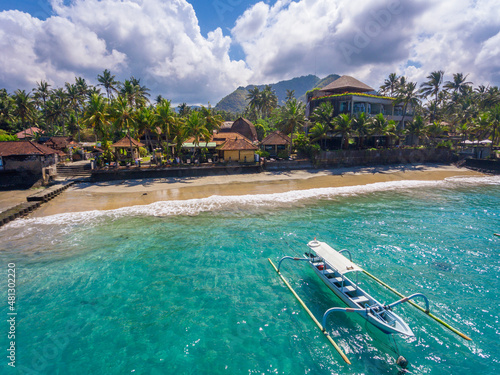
[(227, 203)]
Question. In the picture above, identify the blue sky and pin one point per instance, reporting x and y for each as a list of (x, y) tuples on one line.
[(198, 51)]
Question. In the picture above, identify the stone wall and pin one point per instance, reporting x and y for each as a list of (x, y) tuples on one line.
[(351, 158)]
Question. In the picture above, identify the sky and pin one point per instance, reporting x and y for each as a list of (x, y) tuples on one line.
[(198, 51)]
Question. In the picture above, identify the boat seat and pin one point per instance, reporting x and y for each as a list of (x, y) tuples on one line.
[(335, 279), (360, 299), (328, 272), (347, 289)]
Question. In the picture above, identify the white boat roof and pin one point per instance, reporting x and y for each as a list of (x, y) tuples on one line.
[(333, 257)]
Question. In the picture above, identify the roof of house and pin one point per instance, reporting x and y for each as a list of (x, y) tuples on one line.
[(347, 84), (237, 144), (276, 138), (226, 126), (60, 142), (246, 128), (220, 138), (125, 142), (29, 133), (12, 148)]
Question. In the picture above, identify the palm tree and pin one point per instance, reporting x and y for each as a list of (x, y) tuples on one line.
[(458, 85), (416, 128), (255, 101), (390, 85), (42, 92), (318, 132), (292, 116), (108, 82), (96, 116), (435, 130), (494, 117), (409, 97), (213, 121), (24, 108), (124, 118), (360, 125), (342, 124), (324, 113), (74, 97), (144, 121), (432, 87), (164, 118), (378, 126), (269, 101), (184, 110), (196, 128)]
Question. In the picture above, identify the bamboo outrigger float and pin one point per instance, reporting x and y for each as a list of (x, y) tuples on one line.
[(332, 268)]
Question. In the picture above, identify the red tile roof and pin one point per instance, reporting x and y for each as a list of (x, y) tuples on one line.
[(24, 148), (29, 133)]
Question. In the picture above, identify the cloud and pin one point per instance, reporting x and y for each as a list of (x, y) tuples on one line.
[(156, 40), (371, 39)]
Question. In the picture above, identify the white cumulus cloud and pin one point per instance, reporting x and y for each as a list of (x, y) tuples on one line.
[(370, 39), (158, 41)]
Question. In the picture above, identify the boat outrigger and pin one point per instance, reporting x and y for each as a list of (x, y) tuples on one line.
[(332, 268)]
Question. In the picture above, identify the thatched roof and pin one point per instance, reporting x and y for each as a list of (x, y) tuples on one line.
[(125, 142), (12, 148), (246, 128), (347, 84), (276, 138), (237, 144)]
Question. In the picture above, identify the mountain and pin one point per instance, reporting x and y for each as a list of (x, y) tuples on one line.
[(236, 101)]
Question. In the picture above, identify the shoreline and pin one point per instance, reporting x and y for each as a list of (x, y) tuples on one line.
[(118, 194)]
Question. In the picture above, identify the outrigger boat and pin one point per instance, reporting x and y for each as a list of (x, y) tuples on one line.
[(332, 268)]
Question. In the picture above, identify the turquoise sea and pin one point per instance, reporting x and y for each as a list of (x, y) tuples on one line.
[(185, 287)]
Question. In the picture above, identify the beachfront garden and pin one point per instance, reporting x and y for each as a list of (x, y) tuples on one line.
[(447, 114)]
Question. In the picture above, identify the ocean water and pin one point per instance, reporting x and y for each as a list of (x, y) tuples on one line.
[(186, 288)]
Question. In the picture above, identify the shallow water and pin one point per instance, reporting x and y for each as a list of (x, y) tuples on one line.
[(185, 287)]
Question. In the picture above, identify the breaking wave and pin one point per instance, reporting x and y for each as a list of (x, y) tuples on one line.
[(248, 202)]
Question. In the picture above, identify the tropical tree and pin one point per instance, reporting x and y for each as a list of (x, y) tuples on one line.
[(318, 132), (124, 118), (432, 87), (459, 84), (97, 116), (292, 116), (144, 120), (41, 95), (324, 113), (196, 128), (269, 101), (108, 82), (408, 95), (212, 120), (391, 85), (360, 125), (255, 102), (342, 125), (378, 126), (184, 110), (24, 107), (416, 129), (74, 98), (435, 130), (164, 118)]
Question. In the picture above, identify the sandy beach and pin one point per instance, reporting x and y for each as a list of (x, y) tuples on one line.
[(117, 194)]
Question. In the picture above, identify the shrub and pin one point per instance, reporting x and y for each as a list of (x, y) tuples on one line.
[(143, 152), (283, 154)]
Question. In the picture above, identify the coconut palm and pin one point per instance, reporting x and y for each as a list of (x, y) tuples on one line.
[(408, 95), (124, 118), (291, 117), (196, 128), (342, 125), (269, 101), (108, 82), (432, 87), (164, 118), (184, 110), (213, 120), (360, 125), (96, 116), (324, 113), (318, 132), (24, 107), (416, 129), (459, 84), (255, 101), (144, 120), (435, 130), (74, 97), (391, 85)]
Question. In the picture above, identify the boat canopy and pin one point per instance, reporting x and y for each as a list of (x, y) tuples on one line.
[(333, 257)]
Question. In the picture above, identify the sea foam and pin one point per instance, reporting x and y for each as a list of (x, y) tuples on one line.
[(246, 202)]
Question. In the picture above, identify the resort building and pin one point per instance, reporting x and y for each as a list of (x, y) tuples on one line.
[(238, 149), (276, 143), (348, 95), (241, 126), (25, 162)]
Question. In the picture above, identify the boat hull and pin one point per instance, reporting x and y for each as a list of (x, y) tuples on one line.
[(397, 324)]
